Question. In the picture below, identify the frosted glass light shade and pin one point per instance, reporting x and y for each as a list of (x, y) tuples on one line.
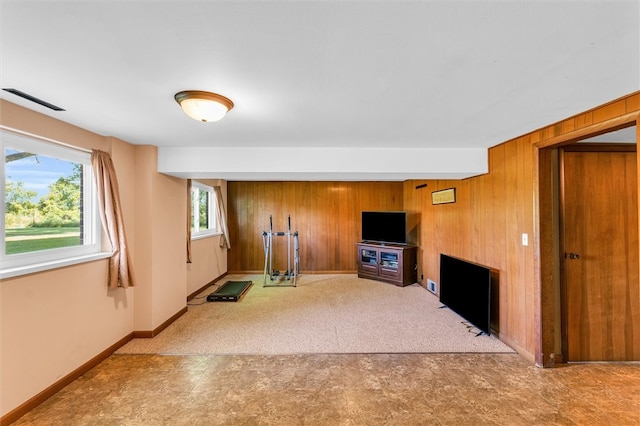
[(203, 106)]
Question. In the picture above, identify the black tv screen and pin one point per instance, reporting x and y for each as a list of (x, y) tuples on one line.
[(384, 227), (465, 288)]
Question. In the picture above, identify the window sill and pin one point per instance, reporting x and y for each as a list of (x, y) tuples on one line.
[(201, 236), (40, 267)]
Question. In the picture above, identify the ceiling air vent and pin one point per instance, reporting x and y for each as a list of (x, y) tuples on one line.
[(33, 99)]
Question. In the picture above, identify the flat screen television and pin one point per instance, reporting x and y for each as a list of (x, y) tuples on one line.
[(465, 288), (384, 227)]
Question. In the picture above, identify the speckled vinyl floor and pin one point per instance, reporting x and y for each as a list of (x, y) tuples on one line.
[(366, 389)]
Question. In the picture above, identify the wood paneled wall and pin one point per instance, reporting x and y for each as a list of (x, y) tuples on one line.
[(485, 225), (326, 216), (491, 213)]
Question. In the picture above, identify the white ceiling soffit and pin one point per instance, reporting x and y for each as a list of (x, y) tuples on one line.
[(626, 135), (406, 75)]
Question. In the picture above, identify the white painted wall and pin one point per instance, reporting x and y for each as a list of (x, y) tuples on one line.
[(322, 163), (53, 322)]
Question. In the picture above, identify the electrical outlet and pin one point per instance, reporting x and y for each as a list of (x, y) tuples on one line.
[(432, 286)]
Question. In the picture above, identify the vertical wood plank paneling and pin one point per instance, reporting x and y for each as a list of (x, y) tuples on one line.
[(568, 126), (302, 223), (528, 227), (475, 245), (480, 206), (583, 120), (532, 302), (325, 214), (523, 195), (350, 229), (249, 229), (511, 202), (609, 111), (322, 224), (497, 237), (633, 102), (413, 207), (428, 243), (484, 225), (487, 222), (232, 211), (463, 232)]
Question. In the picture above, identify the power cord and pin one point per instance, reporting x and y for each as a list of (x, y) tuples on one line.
[(201, 297), (472, 329)]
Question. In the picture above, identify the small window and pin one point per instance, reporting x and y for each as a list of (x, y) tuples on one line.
[(203, 211), (49, 202)]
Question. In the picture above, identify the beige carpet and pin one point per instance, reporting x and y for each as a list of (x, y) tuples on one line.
[(323, 314)]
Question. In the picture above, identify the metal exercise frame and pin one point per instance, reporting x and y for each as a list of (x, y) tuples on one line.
[(275, 276)]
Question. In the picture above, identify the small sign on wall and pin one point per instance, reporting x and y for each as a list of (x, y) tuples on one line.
[(444, 196)]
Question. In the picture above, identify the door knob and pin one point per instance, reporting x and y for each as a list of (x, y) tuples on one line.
[(572, 255)]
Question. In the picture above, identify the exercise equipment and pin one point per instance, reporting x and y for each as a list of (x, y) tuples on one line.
[(276, 278), (231, 291)]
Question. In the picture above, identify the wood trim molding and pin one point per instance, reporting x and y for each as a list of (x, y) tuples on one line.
[(331, 272), (600, 147), (546, 353), (41, 397), (516, 347), (38, 399), (600, 128), (210, 283), (147, 334)]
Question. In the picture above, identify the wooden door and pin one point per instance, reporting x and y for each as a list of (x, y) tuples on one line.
[(600, 227)]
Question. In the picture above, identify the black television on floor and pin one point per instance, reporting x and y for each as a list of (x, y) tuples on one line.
[(388, 227), (465, 288)]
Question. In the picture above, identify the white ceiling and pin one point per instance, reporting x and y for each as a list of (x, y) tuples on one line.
[(406, 75), (626, 135)]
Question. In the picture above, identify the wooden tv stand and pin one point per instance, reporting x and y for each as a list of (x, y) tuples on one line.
[(391, 263)]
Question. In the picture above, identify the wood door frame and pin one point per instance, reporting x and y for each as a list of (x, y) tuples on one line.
[(548, 321), (564, 305)]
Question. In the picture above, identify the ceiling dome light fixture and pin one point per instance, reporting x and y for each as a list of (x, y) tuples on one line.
[(203, 106)]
